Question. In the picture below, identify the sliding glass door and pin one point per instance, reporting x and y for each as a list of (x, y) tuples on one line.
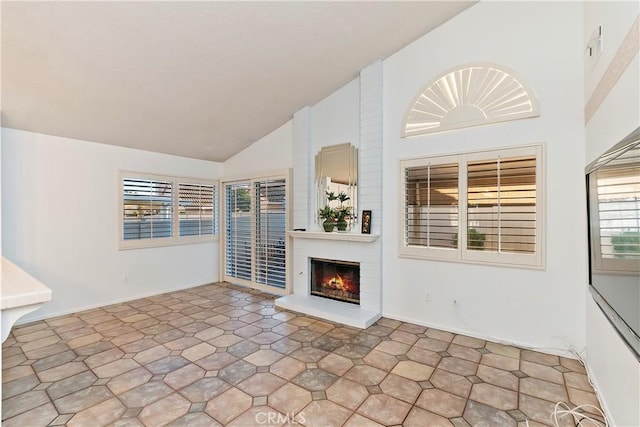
[(255, 239)]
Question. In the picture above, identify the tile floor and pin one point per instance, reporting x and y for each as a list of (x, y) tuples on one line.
[(224, 355)]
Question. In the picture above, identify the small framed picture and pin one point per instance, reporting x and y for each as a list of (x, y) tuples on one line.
[(366, 222)]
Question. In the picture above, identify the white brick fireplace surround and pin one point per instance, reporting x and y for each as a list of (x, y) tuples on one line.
[(363, 250), (353, 246)]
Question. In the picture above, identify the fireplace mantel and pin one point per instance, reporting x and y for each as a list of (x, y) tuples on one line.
[(345, 237)]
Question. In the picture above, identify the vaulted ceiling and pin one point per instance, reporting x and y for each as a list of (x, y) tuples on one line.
[(195, 79)]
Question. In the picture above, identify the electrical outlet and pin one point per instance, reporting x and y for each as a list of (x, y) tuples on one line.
[(125, 278), (427, 296)]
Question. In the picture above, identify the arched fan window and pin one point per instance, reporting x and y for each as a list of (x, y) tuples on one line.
[(470, 95)]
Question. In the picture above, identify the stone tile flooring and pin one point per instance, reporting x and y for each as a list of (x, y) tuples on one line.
[(224, 355)]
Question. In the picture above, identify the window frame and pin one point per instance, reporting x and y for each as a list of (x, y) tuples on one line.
[(214, 206), (175, 239), (462, 254)]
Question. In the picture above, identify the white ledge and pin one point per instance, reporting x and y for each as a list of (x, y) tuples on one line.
[(348, 237), (20, 294)]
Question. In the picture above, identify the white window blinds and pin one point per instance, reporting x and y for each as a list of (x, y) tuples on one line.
[(475, 207), (501, 205), (147, 209), (255, 233), (431, 205), (238, 218), (158, 210), (270, 229), (196, 207)]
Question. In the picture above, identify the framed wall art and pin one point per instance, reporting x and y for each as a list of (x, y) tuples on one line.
[(366, 222)]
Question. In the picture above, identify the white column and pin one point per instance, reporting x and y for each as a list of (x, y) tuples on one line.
[(302, 168), (370, 181)]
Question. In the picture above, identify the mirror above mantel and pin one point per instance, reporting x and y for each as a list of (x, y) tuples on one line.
[(337, 171)]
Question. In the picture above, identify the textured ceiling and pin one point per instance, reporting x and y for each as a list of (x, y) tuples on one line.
[(195, 79)]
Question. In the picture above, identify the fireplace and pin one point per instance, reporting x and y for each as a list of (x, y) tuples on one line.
[(337, 280)]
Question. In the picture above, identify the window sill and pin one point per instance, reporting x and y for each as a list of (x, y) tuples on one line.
[(125, 245), (533, 265)]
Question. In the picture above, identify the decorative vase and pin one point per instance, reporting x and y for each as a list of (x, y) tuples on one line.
[(328, 225), (342, 225)]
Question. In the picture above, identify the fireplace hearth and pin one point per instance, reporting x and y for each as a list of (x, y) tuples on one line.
[(337, 280)]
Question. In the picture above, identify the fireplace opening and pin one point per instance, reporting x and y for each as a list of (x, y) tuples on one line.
[(337, 280)]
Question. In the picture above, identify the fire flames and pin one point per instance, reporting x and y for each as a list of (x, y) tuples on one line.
[(337, 282)]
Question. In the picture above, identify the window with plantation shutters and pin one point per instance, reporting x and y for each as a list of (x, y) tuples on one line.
[(475, 207), (196, 207), (431, 205), (501, 205), (161, 210), (147, 209)]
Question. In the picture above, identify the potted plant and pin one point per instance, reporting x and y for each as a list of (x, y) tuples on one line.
[(341, 212), (328, 215), (335, 216), (626, 244), (475, 239), (331, 196)]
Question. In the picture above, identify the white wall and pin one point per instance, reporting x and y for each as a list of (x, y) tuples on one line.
[(0, 197), (612, 366), (613, 369), (336, 119), (542, 42), (60, 222), (618, 115), (271, 154)]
